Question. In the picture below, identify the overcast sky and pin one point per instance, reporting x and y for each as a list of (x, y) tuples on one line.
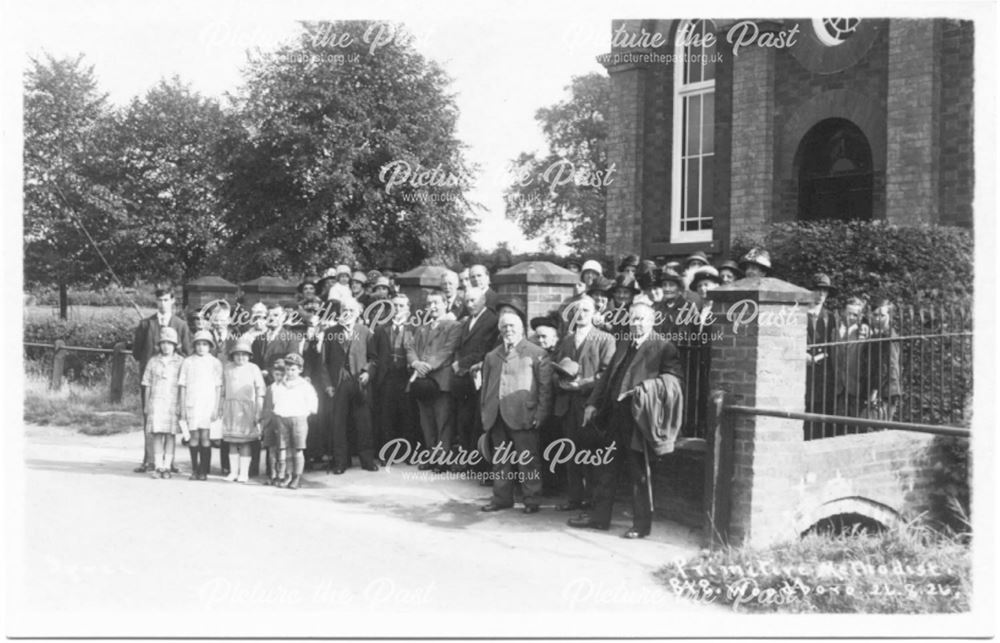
[(504, 69)]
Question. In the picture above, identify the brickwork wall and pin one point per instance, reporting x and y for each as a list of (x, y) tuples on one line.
[(912, 188), (752, 191), (956, 122), (624, 150)]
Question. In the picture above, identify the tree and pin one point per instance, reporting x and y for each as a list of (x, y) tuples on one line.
[(565, 192), (338, 135), (169, 173), (70, 214)]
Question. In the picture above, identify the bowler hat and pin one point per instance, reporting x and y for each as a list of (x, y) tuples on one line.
[(203, 336), (821, 281), (514, 302), (168, 334), (566, 367), (485, 446)]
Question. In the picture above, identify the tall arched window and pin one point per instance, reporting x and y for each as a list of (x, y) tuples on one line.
[(692, 204)]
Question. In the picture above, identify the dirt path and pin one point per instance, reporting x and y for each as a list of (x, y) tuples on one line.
[(101, 539)]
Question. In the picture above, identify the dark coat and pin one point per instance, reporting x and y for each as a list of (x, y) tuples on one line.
[(147, 335), (593, 356), (348, 355), (655, 357), (474, 343)]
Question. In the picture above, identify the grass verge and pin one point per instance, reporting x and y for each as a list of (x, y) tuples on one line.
[(910, 569), (85, 408)]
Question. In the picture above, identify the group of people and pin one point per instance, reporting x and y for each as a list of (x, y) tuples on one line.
[(348, 368)]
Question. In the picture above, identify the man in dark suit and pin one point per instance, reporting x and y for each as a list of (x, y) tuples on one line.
[(145, 345), (392, 404), (350, 358), (430, 353), (516, 399), (311, 350), (479, 277), (454, 304), (642, 355), (276, 342), (581, 358), (478, 336)]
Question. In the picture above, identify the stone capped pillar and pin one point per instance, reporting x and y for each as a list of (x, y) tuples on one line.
[(416, 283), (207, 289), (542, 285), (760, 361), (268, 289)]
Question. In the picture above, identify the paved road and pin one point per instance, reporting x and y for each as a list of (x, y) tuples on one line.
[(361, 553)]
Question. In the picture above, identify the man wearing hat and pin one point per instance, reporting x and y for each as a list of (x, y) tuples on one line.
[(515, 400), (545, 330), (478, 336), (756, 263), (581, 358), (306, 288), (598, 291), (511, 304), (819, 372), (145, 344), (678, 303), (729, 271)]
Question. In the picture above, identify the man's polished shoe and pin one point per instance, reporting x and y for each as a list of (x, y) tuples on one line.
[(494, 507), (634, 534), (574, 506), (585, 522), (370, 467), (531, 509)]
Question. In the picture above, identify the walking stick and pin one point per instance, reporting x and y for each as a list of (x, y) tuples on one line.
[(649, 477)]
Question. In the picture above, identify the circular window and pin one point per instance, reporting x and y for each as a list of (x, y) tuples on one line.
[(835, 31)]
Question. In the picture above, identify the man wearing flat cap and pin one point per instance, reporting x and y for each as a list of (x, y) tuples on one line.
[(580, 359)]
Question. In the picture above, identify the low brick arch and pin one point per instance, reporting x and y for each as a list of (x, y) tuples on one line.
[(883, 514)]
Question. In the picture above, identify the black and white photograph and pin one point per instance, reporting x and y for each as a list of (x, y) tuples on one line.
[(400, 320)]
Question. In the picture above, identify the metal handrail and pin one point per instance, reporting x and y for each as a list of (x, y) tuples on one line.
[(956, 431)]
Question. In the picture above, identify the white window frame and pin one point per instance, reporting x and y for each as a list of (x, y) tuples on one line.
[(678, 184)]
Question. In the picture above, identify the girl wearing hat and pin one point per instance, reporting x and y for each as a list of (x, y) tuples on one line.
[(159, 390), (242, 402), (200, 383)]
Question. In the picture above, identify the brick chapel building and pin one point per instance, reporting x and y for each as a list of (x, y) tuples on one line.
[(837, 118)]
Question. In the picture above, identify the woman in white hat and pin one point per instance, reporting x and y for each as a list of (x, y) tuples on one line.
[(200, 383), (242, 402)]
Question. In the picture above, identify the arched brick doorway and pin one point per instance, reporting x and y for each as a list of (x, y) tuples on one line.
[(835, 172)]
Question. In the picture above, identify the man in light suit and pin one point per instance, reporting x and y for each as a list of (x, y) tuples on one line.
[(642, 355), (350, 358), (430, 354), (590, 351), (516, 397), (145, 346), (479, 335)]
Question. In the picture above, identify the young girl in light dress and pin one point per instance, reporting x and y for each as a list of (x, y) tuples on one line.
[(242, 402), (159, 388), (200, 382)]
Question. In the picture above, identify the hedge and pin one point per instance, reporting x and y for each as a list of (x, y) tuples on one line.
[(872, 259)]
